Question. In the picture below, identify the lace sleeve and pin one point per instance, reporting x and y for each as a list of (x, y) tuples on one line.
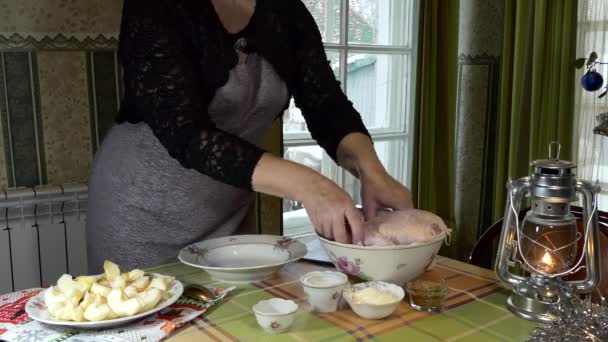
[(330, 116), (164, 85)]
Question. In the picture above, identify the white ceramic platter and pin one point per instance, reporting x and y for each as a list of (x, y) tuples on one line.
[(36, 309), (243, 258)]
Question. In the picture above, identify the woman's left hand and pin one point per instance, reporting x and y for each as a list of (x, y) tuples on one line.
[(379, 191)]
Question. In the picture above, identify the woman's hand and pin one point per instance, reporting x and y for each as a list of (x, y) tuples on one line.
[(379, 191), (328, 206)]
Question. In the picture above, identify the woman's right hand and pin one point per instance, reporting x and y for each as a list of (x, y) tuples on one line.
[(328, 206), (330, 209)]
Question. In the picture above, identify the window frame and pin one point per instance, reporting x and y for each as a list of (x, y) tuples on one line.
[(586, 103), (409, 52)]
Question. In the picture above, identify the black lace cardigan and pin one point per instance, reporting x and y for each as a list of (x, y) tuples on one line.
[(177, 53)]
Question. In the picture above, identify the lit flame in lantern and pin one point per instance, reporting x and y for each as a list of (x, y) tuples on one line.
[(547, 259)]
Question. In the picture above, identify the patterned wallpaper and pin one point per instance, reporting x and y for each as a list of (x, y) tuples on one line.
[(60, 86)]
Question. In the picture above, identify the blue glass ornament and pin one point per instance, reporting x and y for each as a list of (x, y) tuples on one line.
[(592, 80)]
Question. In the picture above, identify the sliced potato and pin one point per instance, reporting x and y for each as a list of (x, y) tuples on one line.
[(86, 281), (168, 280), (53, 296), (118, 283), (112, 271), (135, 274), (100, 290), (69, 312), (131, 291), (149, 298), (96, 312), (112, 314), (141, 283), (70, 288), (88, 299), (123, 306), (158, 283), (108, 296)]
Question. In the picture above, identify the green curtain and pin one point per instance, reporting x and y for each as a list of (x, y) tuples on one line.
[(433, 176), (537, 88)]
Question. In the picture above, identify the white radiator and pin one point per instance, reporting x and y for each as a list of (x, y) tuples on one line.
[(42, 235)]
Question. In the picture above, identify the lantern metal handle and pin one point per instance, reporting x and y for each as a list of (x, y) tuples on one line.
[(559, 150), (590, 218), (516, 191)]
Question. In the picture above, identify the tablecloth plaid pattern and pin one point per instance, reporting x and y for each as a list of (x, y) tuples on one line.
[(475, 311)]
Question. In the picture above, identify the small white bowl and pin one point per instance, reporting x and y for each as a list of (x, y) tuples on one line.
[(275, 315), (375, 311), (324, 289)]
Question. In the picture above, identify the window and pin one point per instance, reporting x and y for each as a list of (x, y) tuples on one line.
[(371, 47), (591, 149)]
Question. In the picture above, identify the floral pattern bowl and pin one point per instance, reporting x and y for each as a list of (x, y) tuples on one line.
[(324, 289), (243, 258), (275, 315), (393, 264)]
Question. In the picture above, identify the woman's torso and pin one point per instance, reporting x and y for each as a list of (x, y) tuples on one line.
[(146, 195)]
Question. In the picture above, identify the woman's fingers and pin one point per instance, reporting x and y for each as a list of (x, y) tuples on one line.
[(330, 210), (327, 229), (339, 228), (370, 209), (355, 221)]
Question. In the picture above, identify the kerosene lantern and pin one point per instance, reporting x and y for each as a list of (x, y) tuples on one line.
[(535, 252)]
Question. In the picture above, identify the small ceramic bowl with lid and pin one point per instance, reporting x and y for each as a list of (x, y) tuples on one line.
[(324, 289), (275, 315), (374, 299)]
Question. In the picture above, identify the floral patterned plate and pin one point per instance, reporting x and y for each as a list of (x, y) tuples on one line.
[(36, 309), (243, 258)]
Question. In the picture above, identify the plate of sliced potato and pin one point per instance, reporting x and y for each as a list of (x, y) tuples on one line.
[(103, 301)]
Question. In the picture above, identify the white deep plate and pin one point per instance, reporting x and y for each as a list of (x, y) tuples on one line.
[(243, 258), (36, 309)]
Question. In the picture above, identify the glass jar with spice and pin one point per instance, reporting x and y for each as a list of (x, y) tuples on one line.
[(427, 293)]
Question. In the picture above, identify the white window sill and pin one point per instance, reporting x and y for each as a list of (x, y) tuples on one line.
[(297, 223)]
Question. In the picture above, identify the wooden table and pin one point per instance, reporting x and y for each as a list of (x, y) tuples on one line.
[(475, 311)]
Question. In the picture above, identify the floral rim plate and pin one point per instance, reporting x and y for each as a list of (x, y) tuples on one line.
[(36, 310), (242, 258)]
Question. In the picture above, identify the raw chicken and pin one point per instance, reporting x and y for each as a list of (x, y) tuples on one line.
[(403, 227)]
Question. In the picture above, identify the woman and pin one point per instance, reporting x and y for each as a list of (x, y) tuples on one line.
[(203, 81)]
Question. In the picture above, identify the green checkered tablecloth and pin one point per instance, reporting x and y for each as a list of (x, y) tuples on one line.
[(475, 311)]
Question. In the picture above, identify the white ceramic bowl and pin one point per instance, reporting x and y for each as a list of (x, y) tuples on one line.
[(392, 264), (243, 258), (375, 311), (275, 315), (324, 289)]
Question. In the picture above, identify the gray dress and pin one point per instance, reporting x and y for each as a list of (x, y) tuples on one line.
[(144, 206)]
